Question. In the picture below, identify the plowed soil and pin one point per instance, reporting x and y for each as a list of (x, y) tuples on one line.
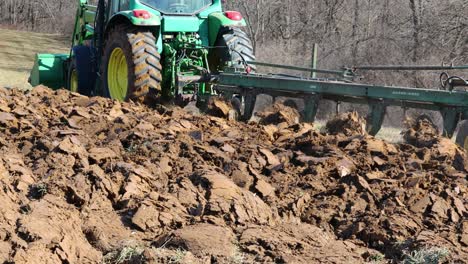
[(90, 180)]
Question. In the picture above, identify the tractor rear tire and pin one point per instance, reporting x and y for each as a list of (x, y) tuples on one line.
[(235, 47), (131, 68), (462, 136)]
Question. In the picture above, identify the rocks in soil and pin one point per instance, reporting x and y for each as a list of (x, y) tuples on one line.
[(81, 178)]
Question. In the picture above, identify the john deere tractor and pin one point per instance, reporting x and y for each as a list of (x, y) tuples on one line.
[(143, 49)]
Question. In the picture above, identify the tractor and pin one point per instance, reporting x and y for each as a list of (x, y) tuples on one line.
[(141, 50)]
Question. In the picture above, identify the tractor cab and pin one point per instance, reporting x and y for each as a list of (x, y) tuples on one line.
[(179, 7)]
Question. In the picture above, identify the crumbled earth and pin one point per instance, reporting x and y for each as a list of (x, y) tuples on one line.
[(90, 180), (347, 124), (278, 114), (421, 132)]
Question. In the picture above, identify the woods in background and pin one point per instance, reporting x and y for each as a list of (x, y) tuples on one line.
[(357, 32), (349, 32), (57, 16)]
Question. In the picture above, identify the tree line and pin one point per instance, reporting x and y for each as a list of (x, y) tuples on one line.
[(48, 16), (360, 32), (348, 32)]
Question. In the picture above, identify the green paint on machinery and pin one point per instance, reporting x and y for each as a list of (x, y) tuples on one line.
[(452, 104), (193, 49), (168, 46)]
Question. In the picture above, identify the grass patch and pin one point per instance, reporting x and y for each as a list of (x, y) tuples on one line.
[(237, 258), (37, 191), (18, 50), (178, 257), (127, 254), (427, 256), (377, 258)]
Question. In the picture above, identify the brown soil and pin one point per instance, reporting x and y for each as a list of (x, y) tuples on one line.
[(421, 132), (347, 124), (278, 114), (87, 180)]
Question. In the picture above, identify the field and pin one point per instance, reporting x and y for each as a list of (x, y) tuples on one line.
[(92, 180), (17, 51)]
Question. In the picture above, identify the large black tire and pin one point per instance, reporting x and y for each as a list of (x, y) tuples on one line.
[(462, 136), (143, 62), (232, 46)]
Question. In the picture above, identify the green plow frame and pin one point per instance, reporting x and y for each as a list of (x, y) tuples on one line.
[(452, 104)]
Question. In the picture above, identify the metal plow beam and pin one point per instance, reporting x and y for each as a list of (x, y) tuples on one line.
[(453, 105)]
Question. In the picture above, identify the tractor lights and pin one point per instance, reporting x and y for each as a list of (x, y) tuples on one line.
[(233, 15), (143, 14)]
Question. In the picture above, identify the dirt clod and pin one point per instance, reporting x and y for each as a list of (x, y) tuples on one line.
[(348, 124), (279, 113), (421, 132), (87, 180)]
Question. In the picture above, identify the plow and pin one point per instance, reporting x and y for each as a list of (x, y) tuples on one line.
[(191, 50)]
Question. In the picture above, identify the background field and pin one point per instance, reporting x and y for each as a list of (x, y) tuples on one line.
[(17, 51)]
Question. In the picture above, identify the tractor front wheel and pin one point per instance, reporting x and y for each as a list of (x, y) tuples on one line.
[(80, 76), (72, 82), (131, 65)]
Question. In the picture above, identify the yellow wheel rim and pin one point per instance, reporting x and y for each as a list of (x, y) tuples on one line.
[(74, 81), (117, 75), (465, 146)]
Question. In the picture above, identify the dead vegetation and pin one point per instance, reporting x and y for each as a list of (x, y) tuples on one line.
[(81, 177)]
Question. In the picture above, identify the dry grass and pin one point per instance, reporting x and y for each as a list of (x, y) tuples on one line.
[(17, 51), (427, 256)]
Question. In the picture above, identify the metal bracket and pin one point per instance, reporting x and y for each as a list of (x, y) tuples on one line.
[(311, 106), (451, 117), (337, 107), (376, 116), (250, 98)]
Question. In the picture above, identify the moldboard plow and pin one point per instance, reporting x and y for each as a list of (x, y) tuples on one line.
[(148, 50), (449, 101)]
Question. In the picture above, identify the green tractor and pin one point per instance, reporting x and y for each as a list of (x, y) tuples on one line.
[(140, 50)]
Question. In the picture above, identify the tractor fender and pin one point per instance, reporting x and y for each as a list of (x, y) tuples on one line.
[(217, 21), (83, 60), (128, 16)]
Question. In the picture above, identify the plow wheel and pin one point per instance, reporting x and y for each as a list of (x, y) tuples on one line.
[(462, 136), (131, 65)]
